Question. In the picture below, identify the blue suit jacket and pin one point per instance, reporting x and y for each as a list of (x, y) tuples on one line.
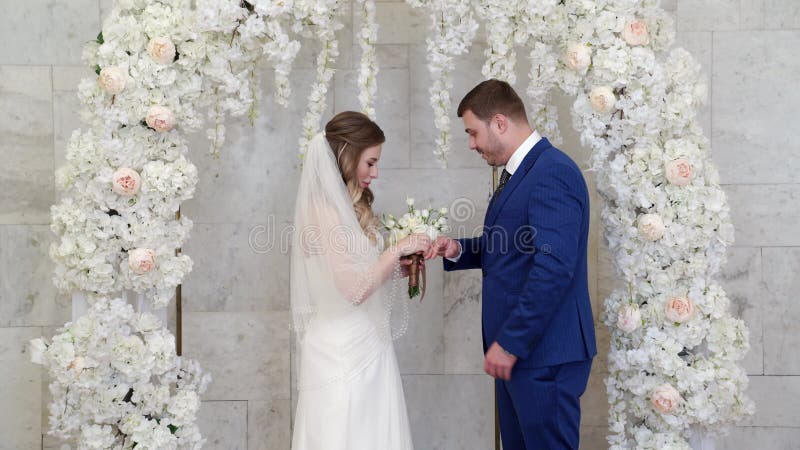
[(533, 256)]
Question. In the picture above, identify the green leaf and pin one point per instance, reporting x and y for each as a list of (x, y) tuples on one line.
[(172, 428), (97, 69), (100, 38)]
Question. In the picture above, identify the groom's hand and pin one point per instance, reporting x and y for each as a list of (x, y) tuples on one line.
[(498, 363), (443, 246)]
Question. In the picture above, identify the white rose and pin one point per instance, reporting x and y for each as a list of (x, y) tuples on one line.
[(602, 99), (629, 318), (665, 398), (651, 227), (578, 56), (680, 172), (161, 49), (112, 79), (635, 32), (420, 228), (425, 213), (141, 260), (126, 181), (679, 309), (442, 211), (37, 347), (160, 118), (410, 201)]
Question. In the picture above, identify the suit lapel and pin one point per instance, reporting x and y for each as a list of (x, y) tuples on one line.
[(515, 180)]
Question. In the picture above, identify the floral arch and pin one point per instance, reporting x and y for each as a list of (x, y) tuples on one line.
[(163, 64)]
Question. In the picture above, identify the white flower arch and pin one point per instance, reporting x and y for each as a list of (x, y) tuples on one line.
[(675, 346)]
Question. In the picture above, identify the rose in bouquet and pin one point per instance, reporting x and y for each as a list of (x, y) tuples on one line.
[(432, 222)]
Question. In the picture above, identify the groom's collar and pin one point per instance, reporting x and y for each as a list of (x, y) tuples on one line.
[(519, 154)]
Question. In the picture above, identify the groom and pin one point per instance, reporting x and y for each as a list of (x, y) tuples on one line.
[(538, 333)]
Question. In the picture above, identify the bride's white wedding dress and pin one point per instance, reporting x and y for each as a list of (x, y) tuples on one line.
[(349, 385), (363, 409)]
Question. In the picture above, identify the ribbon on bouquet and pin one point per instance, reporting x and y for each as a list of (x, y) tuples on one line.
[(414, 286)]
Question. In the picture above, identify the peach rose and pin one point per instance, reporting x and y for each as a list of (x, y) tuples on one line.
[(680, 172), (141, 260), (578, 56), (161, 49), (635, 32), (665, 398), (112, 79), (602, 99), (126, 181), (160, 118), (651, 227), (77, 364), (629, 318), (679, 309)]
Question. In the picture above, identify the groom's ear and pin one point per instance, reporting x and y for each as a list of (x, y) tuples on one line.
[(501, 122)]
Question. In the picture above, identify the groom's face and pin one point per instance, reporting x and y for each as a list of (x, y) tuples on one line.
[(483, 138)]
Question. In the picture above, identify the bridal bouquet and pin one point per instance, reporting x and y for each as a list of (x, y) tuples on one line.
[(118, 383), (432, 222)]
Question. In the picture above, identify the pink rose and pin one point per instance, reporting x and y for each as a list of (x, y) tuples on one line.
[(679, 309), (680, 172), (635, 32), (161, 49), (651, 227), (578, 56), (665, 398), (141, 260), (629, 318), (160, 118), (112, 79), (602, 99), (126, 181)]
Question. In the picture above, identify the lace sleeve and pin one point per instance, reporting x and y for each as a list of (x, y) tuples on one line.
[(351, 258)]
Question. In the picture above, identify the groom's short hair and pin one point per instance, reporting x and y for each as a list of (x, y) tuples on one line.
[(492, 97)]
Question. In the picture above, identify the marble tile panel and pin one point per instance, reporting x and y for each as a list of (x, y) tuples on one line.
[(450, 412), (247, 354), (753, 111), (26, 144)]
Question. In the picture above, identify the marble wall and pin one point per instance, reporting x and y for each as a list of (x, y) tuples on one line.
[(236, 319)]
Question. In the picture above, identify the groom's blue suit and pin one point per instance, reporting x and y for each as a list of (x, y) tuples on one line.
[(536, 299)]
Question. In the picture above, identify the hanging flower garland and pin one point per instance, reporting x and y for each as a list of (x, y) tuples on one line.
[(452, 30), (322, 15), (501, 18), (368, 68)]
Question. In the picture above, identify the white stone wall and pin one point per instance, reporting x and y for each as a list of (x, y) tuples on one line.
[(236, 319)]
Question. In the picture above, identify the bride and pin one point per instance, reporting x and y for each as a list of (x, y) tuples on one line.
[(350, 391)]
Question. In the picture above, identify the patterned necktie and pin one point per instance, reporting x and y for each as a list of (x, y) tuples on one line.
[(503, 180)]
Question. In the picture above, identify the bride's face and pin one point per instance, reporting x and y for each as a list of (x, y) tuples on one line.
[(367, 169)]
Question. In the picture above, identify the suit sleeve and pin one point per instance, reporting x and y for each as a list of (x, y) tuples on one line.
[(470, 255), (556, 211)]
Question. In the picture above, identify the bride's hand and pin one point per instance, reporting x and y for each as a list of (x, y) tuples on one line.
[(414, 243)]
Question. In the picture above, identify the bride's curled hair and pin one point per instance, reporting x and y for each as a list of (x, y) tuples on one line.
[(349, 133)]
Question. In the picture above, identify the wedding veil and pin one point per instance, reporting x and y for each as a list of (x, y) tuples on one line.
[(333, 281)]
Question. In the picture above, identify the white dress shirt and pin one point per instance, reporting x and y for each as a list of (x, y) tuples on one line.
[(513, 164)]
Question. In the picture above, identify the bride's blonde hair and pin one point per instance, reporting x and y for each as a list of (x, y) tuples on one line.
[(349, 133)]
